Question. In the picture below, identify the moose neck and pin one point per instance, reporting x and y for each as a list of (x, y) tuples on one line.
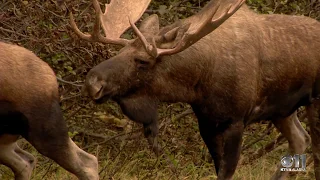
[(177, 77), (180, 77)]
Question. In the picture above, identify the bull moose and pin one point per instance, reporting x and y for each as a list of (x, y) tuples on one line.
[(233, 66), (29, 106)]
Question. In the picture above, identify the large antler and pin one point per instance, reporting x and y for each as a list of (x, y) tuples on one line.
[(192, 29), (114, 20)]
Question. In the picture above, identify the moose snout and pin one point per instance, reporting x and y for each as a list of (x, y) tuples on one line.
[(94, 91), (93, 87), (97, 94)]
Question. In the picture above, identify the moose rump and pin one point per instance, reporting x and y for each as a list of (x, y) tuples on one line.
[(29, 106)]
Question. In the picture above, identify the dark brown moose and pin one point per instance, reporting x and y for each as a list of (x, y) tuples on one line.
[(29, 106), (232, 65)]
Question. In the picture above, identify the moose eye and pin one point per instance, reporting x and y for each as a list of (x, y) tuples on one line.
[(142, 62)]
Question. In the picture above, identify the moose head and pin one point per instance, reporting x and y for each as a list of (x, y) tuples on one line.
[(133, 67)]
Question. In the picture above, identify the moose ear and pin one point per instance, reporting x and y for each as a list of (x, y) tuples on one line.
[(150, 25), (171, 36)]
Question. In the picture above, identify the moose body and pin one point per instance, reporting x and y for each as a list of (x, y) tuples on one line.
[(252, 67), (29, 106)]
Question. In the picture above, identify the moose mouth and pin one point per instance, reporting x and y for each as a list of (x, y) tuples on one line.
[(101, 100), (102, 97)]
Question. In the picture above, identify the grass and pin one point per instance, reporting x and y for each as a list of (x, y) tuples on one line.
[(144, 165), (129, 157)]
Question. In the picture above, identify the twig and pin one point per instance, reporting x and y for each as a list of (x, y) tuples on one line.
[(105, 167), (264, 150), (309, 161), (10, 31), (108, 139), (47, 171), (271, 146), (68, 82), (70, 97), (92, 134), (269, 128), (183, 114), (74, 112)]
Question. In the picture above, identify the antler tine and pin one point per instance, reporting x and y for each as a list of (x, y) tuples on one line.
[(96, 36), (198, 26), (227, 13), (77, 30), (149, 48)]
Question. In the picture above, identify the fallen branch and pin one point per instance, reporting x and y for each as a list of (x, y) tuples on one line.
[(309, 161), (95, 135), (110, 138), (264, 150), (183, 114), (269, 129), (68, 82)]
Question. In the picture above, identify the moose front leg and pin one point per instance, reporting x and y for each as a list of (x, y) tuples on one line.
[(224, 143), (151, 133), (143, 110)]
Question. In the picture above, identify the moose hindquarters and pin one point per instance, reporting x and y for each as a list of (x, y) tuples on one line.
[(29, 106), (49, 135), (12, 121), (42, 124)]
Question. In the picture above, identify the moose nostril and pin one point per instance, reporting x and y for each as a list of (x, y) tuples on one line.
[(98, 93), (31, 161)]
